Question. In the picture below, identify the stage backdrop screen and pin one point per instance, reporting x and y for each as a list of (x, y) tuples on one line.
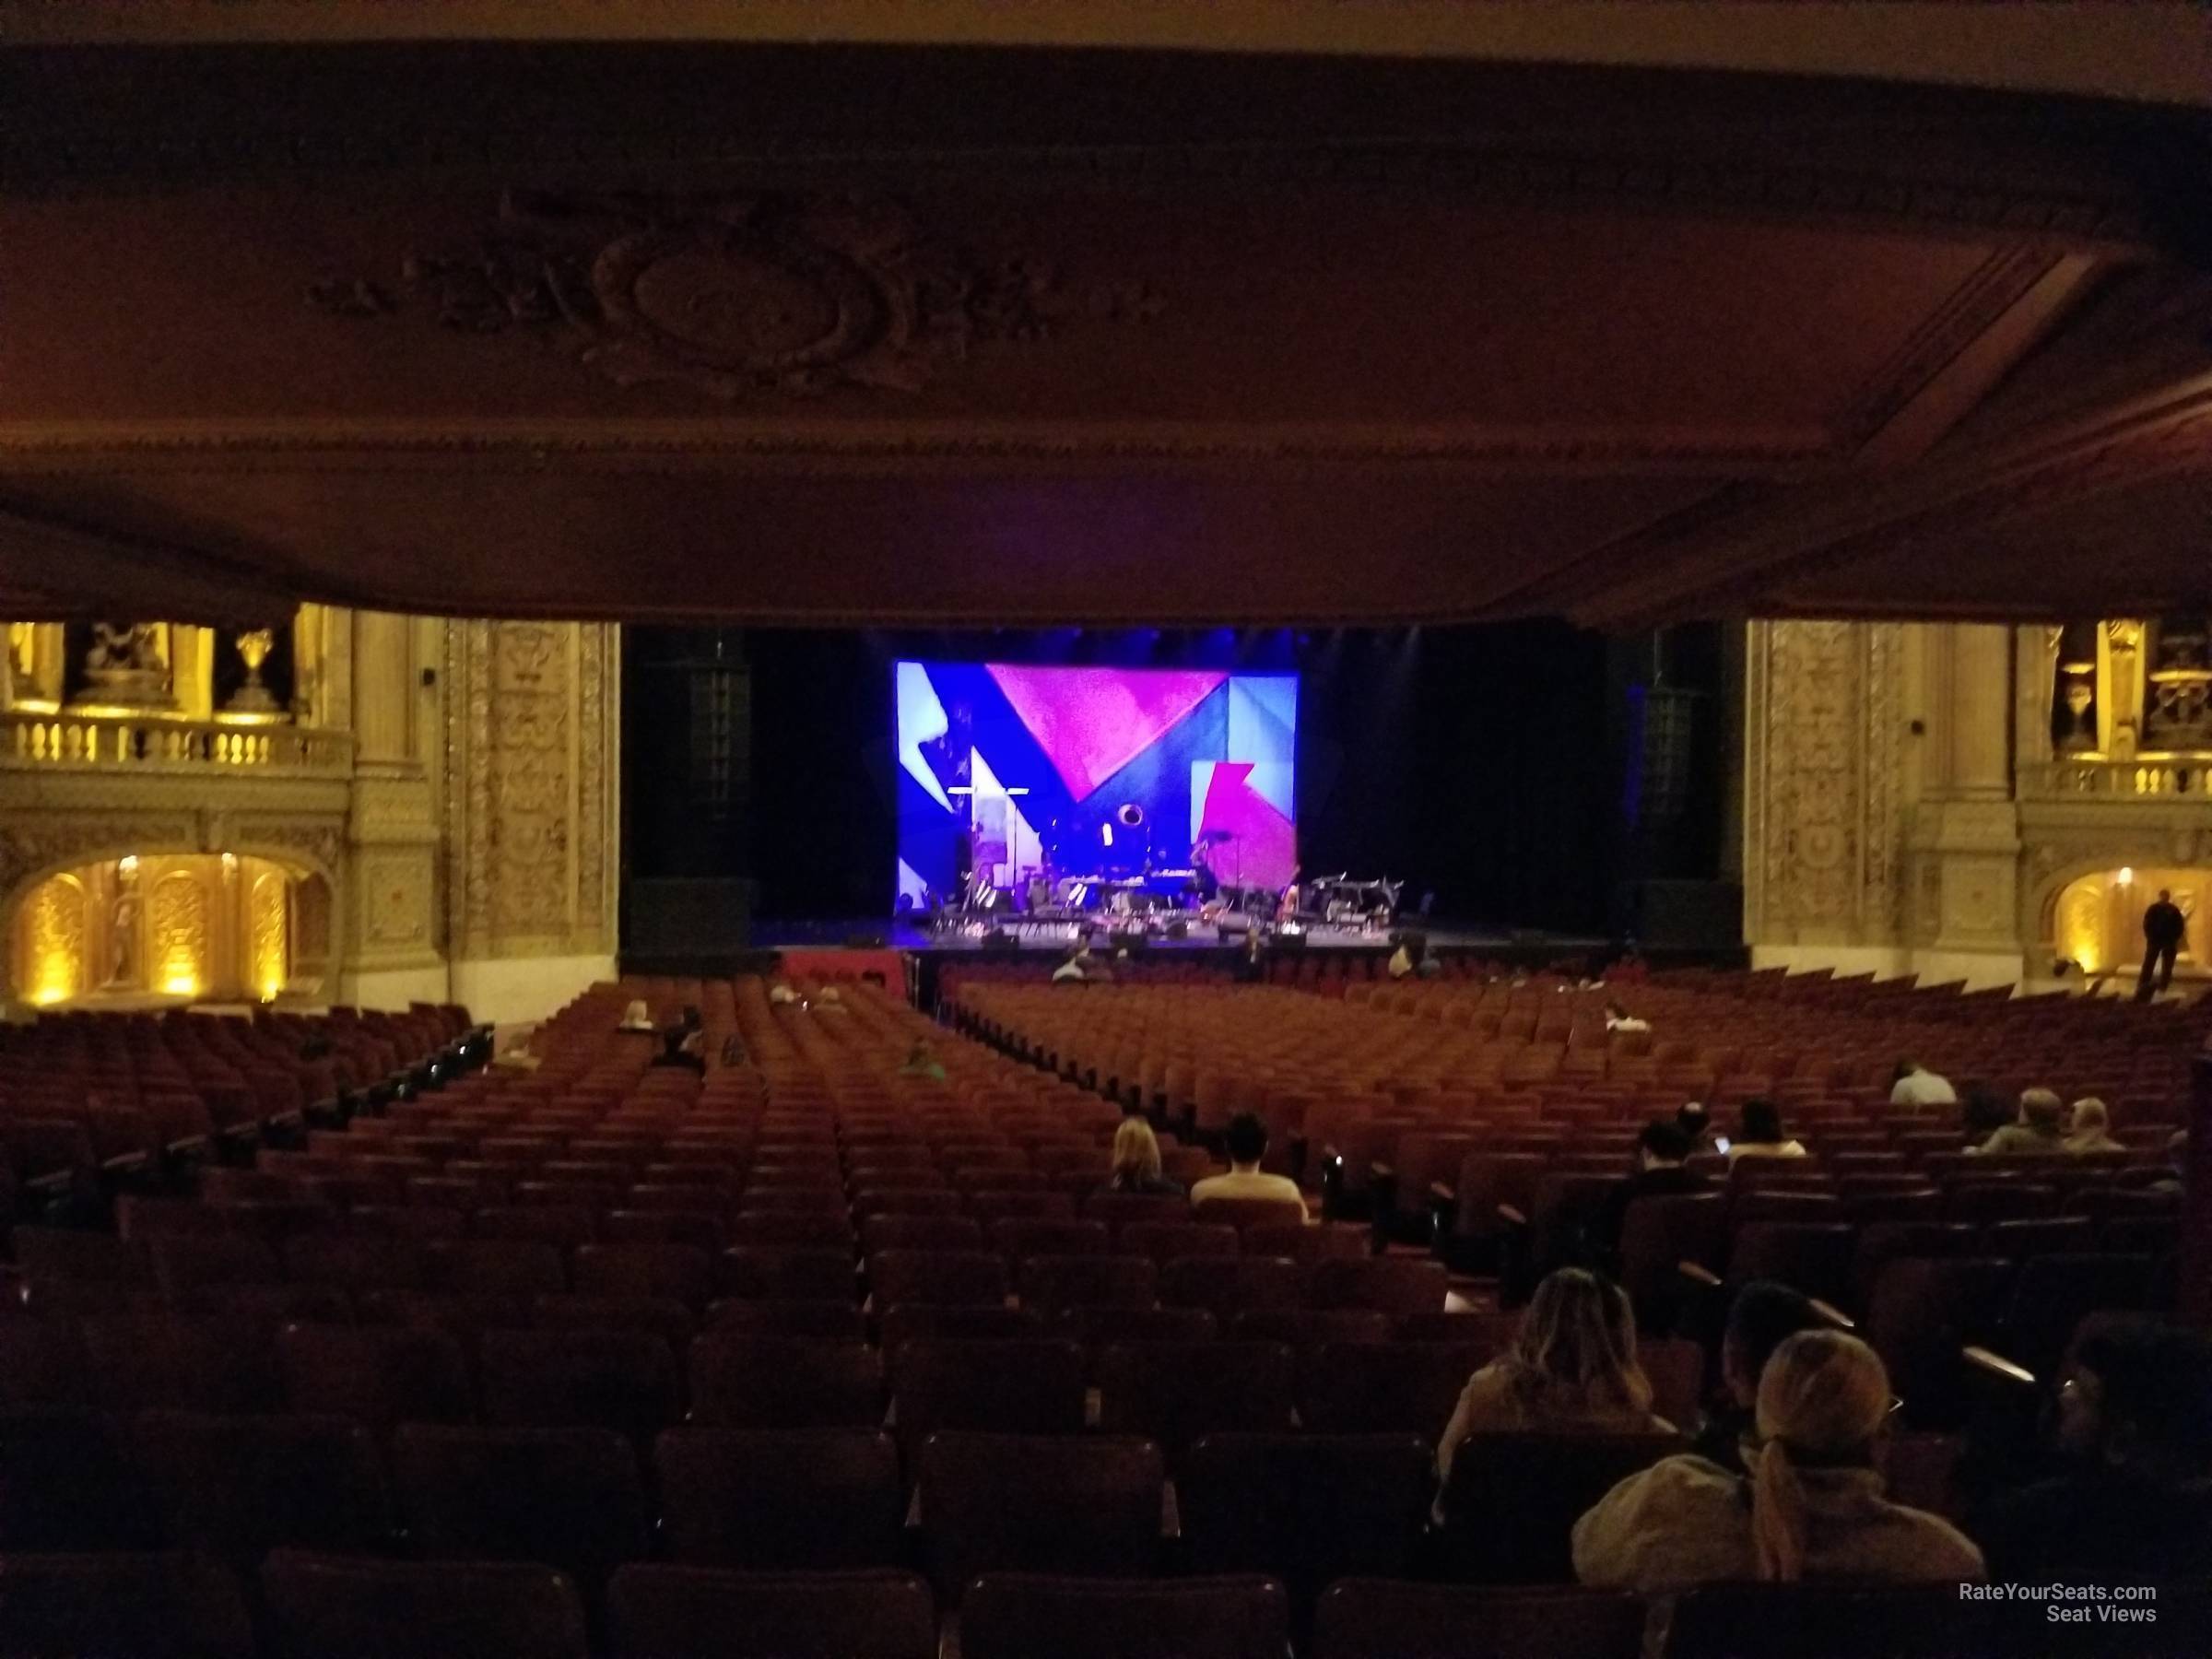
[(1019, 772)]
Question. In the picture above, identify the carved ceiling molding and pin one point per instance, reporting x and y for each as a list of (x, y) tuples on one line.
[(653, 446), (1722, 567), (2002, 282), (733, 294)]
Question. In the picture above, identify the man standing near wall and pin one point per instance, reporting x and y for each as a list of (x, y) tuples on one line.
[(2163, 928)]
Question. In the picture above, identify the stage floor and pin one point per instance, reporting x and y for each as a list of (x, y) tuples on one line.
[(1058, 935)]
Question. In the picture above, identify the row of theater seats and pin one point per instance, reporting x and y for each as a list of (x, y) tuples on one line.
[(318, 1606), (92, 1097)]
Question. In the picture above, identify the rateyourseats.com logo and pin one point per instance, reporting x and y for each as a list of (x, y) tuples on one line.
[(2074, 1604)]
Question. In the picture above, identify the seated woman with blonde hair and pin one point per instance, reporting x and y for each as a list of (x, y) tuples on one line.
[(1136, 1161), (1571, 1370), (2092, 1130), (1812, 1507)]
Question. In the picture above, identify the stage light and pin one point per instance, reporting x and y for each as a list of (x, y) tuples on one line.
[(2127, 877)]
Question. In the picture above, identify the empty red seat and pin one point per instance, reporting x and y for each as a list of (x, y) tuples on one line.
[(378, 1375), (1172, 1393), (837, 1320), (242, 1485), (1049, 1283), (1378, 1619), (572, 1498), (784, 1274), (1376, 1387), (351, 1607), (1063, 1503), (676, 1271), (951, 1278), (1306, 1508), (1385, 1283), (699, 1613), (142, 1606), (800, 1500), (784, 1383), (1018, 1614), (623, 1381), (1013, 1387)]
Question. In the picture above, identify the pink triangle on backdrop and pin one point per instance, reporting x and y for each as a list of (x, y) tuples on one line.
[(1092, 721)]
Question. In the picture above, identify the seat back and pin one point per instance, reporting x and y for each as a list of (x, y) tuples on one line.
[(945, 1279), (1053, 1503), (740, 1381), (1827, 1622), (786, 1499), (697, 1613), (1015, 1388), (624, 1381), (1376, 1619), (568, 1497), (1512, 1499), (242, 1485), (1017, 1616), (349, 1607), (1228, 1286), (377, 1375), (1306, 1509), (1386, 1387), (1052, 1282), (1383, 1284), (1172, 1393), (146, 1606)]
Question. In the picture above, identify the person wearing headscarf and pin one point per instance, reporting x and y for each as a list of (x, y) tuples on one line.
[(1811, 1508)]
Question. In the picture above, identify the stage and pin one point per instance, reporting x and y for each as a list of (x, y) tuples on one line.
[(862, 947)]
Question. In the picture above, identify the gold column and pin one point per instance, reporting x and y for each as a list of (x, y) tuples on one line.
[(2122, 690), (383, 691)]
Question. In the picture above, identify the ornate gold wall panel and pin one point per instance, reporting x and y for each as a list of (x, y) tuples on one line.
[(529, 788), (1822, 818)]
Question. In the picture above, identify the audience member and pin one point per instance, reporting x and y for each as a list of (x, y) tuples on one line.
[(1246, 1142), (1571, 1370), (1758, 1133), (1913, 1085), (1401, 962), (1696, 1122), (1617, 1018), (1763, 1316), (922, 1062), (2091, 1129), (684, 1048), (1812, 1506), (636, 1018), (1136, 1161), (2042, 1126), (1660, 1172), (1075, 967), (1985, 1111), (2134, 1418)]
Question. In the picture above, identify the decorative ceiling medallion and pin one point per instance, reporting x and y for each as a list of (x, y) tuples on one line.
[(733, 294)]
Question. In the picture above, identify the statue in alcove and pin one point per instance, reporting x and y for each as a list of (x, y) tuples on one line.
[(123, 932), (126, 665)]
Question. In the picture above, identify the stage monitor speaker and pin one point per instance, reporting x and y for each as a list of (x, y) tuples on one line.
[(1178, 929), (863, 941), (671, 917), (1283, 941), (1001, 942), (1683, 915), (1133, 942), (1235, 922)]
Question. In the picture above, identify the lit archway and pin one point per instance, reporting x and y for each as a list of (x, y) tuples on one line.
[(2097, 919), (158, 927)]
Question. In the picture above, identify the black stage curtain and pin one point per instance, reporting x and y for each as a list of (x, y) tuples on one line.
[(1485, 764)]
